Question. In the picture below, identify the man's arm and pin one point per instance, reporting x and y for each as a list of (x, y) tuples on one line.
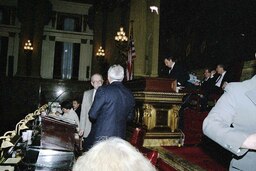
[(83, 115), (218, 125), (131, 113), (97, 104)]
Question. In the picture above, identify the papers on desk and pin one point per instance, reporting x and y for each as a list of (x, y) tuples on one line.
[(9, 168), (12, 160)]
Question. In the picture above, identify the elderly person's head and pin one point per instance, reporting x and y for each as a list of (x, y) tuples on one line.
[(96, 80), (113, 154), (115, 73)]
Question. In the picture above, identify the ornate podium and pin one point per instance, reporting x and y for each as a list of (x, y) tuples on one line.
[(157, 108)]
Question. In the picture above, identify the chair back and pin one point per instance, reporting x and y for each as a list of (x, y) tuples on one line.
[(137, 137)]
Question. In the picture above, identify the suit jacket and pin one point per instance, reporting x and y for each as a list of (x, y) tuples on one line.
[(232, 120), (226, 78), (179, 73), (78, 111), (207, 86), (113, 106), (85, 123)]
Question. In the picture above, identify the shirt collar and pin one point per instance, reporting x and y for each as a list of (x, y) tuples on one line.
[(173, 65)]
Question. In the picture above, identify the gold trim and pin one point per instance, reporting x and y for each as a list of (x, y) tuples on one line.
[(173, 114), (176, 161), (159, 112), (158, 97), (160, 142), (164, 138)]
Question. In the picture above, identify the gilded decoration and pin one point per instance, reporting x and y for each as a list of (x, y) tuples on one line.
[(157, 108), (149, 116), (159, 112), (173, 115), (163, 97)]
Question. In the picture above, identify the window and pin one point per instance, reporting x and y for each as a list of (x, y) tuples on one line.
[(65, 20), (66, 60), (7, 15)]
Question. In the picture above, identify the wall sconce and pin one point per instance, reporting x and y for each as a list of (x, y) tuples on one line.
[(28, 46), (28, 49), (122, 45), (100, 53), (120, 35)]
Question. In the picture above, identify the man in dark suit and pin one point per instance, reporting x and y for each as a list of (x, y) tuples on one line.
[(206, 86), (77, 106), (222, 79), (176, 70), (112, 107), (208, 82)]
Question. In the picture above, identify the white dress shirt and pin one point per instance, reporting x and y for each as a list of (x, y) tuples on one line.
[(219, 80)]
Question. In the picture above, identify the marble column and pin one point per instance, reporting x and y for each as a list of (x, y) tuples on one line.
[(146, 37)]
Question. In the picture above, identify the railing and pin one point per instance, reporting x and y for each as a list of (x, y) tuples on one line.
[(11, 140)]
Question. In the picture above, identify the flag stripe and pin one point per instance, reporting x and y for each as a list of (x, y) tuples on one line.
[(130, 57)]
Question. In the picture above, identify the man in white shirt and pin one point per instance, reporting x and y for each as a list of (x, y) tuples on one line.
[(68, 113)]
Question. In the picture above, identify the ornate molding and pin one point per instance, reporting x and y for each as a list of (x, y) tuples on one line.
[(159, 97)]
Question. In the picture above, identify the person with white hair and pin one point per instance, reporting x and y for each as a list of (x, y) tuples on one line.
[(88, 97), (112, 108), (113, 154)]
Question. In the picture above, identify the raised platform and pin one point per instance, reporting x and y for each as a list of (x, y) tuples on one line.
[(190, 159)]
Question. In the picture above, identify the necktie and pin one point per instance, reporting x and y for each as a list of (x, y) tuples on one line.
[(217, 81), (218, 78), (93, 95)]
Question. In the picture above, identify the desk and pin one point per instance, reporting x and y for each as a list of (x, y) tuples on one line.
[(51, 148), (47, 159)]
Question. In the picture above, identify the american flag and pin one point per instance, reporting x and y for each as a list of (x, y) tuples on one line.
[(131, 57)]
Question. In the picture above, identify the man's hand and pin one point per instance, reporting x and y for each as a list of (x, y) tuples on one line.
[(224, 85), (81, 133), (250, 142)]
